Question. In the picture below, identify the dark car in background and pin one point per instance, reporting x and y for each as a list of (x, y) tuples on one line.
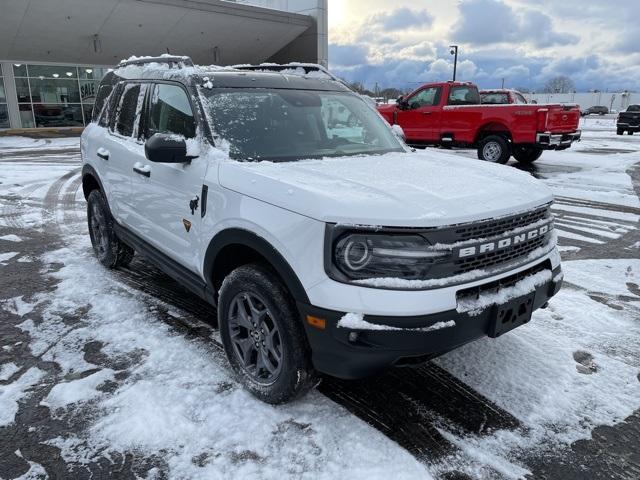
[(596, 110), (629, 121)]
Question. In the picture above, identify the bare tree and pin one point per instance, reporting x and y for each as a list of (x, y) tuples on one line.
[(559, 84)]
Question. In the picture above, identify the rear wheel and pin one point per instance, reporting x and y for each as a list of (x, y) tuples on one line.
[(630, 132), (263, 336), (111, 252), (526, 154), (494, 148)]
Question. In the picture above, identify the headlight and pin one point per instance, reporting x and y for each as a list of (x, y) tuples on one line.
[(360, 256)]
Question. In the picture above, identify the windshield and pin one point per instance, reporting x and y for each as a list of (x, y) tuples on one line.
[(633, 108), (284, 125)]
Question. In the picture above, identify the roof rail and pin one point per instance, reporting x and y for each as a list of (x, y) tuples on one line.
[(171, 60), (278, 67)]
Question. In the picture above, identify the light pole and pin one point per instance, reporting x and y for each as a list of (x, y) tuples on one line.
[(454, 52)]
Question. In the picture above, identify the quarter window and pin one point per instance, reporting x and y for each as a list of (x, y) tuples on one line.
[(170, 111), (127, 107)]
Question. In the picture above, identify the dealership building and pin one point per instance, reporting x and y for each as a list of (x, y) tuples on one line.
[(53, 53)]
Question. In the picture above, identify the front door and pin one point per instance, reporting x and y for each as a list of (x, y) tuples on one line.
[(164, 192), (421, 118)]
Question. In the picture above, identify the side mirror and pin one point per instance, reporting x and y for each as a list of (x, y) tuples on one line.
[(402, 102), (166, 148)]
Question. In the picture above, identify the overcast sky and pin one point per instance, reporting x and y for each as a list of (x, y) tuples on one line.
[(403, 43)]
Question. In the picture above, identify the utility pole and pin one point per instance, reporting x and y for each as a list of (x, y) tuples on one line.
[(503, 82), (454, 52)]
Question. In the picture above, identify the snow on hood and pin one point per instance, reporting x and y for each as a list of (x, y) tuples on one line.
[(419, 189)]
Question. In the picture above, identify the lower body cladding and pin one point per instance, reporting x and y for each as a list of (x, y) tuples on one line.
[(352, 353), (557, 141)]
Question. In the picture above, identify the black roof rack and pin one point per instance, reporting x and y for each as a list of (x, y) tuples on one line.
[(171, 60), (274, 67)]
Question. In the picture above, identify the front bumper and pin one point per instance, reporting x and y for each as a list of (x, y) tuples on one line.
[(557, 141), (355, 353)]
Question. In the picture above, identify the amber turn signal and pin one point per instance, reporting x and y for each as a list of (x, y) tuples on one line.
[(319, 323)]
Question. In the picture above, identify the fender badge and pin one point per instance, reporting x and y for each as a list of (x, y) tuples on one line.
[(187, 224)]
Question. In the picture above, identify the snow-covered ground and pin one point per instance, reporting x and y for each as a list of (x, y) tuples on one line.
[(121, 372)]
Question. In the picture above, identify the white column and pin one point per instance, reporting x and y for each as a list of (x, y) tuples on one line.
[(11, 94)]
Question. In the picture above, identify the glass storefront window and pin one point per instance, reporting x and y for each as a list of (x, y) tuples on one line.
[(53, 115), (19, 70), (52, 71), (88, 90), (26, 115), (4, 116), (54, 91), (3, 96), (92, 73), (22, 90), (55, 95)]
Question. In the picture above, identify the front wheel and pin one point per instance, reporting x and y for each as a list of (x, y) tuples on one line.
[(620, 131), (109, 249), (526, 154), (495, 149), (263, 336)]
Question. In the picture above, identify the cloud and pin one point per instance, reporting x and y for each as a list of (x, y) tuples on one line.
[(347, 55), (401, 19), (486, 22)]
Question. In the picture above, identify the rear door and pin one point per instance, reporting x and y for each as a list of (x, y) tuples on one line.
[(166, 192), (421, 119), (121, 148)]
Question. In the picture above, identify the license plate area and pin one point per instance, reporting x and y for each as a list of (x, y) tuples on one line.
[(511, 315)]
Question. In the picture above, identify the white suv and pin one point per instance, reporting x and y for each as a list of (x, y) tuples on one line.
[(325, 244)]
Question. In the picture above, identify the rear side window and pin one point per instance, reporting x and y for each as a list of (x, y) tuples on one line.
[(127, 106), (494, 98), (520, 98), (633, 108), (464, 95), (103, 93), (170, 111)]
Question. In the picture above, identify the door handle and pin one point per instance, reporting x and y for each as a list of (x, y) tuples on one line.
[(426, 113), (144, 170), (102, 153)]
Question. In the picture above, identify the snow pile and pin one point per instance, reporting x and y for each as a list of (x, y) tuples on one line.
[(538, 379), (11, 238), (475, 306), (11, 394), (178, 401), (356, 321), (7, 370)]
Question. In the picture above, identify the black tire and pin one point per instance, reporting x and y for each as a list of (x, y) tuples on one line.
[(495, 149), (275, 367), (111, 252), (630, 132), (526, 154), (619, 131)]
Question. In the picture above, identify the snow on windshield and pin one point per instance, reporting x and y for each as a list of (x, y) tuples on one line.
[(293, 124)]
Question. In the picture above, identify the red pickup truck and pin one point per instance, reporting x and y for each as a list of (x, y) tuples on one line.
[(450, 114)]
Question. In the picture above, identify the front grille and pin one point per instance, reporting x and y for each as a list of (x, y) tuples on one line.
[(493, 228), (492, 259)]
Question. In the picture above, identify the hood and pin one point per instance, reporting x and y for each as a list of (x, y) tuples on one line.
[(419, 189)]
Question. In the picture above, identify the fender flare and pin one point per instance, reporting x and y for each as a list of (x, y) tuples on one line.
[(239, 236), (88, 170)]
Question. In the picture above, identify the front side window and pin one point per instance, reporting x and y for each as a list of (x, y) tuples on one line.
[(170, 111), (425, 98), (286, 125), (464, 95)]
